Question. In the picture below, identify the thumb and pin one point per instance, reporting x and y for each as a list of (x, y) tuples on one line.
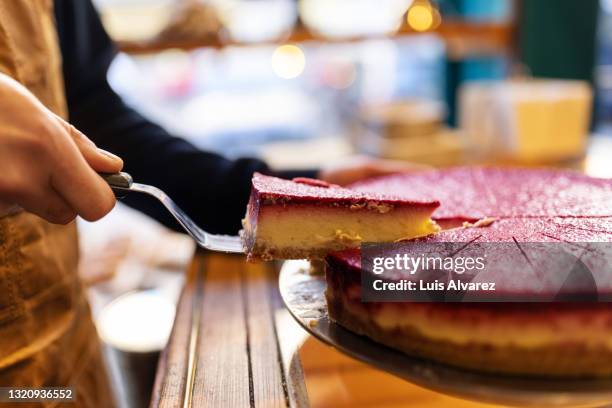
[(100, 160)]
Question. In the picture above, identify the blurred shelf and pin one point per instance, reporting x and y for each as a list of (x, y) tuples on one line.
[(462, 39)]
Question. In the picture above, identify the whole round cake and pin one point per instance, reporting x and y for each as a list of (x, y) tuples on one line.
[(528, 205)]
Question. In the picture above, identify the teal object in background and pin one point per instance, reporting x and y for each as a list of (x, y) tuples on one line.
[(557, 38), (477, 10), (485, 10), (495, 67), (482, 68), (479, 68)]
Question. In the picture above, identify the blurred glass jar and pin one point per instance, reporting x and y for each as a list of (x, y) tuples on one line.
[(253, 21), (134, 20), (352, 18)]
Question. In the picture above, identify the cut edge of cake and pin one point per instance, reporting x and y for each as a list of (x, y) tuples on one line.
[(308, 218)]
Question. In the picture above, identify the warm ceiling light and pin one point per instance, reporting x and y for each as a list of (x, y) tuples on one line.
[(288, 61), (420, 16)]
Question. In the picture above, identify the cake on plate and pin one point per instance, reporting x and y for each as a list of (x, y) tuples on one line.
[(551, 339), (308, 218)]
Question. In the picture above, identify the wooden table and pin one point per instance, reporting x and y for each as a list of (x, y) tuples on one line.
[(234, 345), (225, 349)]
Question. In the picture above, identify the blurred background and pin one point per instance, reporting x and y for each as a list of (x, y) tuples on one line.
[(442, 82), (302, 82)]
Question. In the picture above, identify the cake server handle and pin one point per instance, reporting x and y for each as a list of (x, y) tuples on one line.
[(122, 183)]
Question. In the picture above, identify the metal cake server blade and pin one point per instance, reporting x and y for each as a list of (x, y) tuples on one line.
[(122, 183)]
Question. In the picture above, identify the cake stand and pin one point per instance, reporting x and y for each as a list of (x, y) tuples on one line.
[(303, 294)]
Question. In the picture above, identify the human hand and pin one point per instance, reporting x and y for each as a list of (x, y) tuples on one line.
[(362, 167), (48, 166)]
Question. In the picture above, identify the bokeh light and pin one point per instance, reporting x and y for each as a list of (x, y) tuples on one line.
[(288, 61), (420, 16)]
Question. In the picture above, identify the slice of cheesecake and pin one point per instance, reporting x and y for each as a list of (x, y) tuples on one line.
[(308, 218)]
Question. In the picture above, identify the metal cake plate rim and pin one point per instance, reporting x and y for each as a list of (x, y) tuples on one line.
[(302, 292)]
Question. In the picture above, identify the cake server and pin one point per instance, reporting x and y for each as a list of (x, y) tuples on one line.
[(122, 183)]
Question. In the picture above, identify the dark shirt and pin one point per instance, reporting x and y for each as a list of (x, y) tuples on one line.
[(210, 188)]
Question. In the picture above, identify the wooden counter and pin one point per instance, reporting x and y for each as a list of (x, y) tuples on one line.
[(224, 350), (234, 345)]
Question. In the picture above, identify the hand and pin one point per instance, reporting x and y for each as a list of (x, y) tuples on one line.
[(49, 167), (362, 167)]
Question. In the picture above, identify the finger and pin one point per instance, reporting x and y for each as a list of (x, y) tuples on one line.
[(48, 204), (100, 160), (78, 184)]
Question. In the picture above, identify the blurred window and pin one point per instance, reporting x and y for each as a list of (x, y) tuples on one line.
[(236, 99)]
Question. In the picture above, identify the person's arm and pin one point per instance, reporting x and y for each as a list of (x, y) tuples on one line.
[(212, 189)]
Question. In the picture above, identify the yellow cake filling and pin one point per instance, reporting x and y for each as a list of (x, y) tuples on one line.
[(332, 228)]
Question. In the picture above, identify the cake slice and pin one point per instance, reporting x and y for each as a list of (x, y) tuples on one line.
[(308, 218)]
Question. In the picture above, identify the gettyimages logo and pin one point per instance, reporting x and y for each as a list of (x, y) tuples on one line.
[(486, 272), (412, 264)]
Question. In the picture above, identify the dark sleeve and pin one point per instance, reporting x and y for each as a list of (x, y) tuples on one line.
[(212, 189)]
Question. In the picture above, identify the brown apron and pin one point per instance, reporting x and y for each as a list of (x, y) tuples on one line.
[(47, 337)]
